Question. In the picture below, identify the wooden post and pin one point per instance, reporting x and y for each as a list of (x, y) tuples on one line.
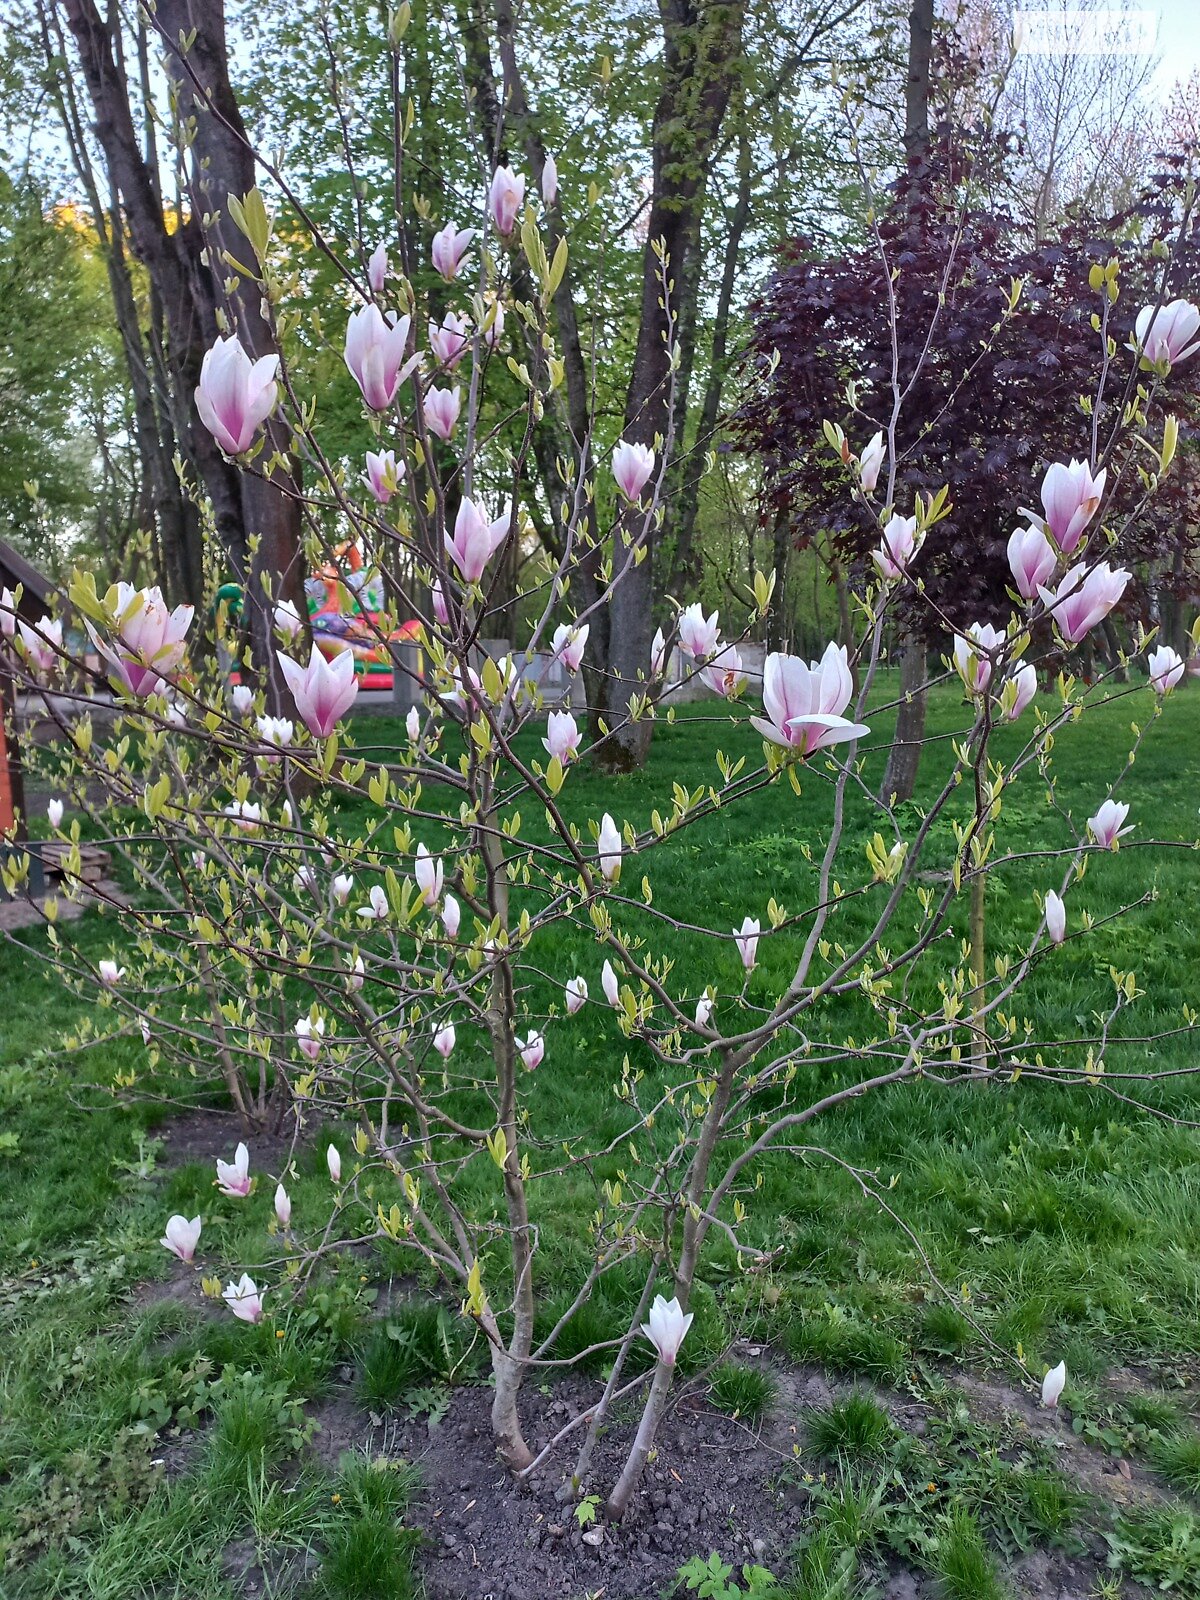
[(12, 788)]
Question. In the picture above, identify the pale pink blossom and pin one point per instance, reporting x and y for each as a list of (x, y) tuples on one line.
[(576, 994), (569, 643), (244, 1299), (110, 973), (241, 697), (704, 1011), (562, 736), (341, 887), (549, 180), (8, 613), (441, 408), (357, 974), (333, 1160), (506, 198), (1056, 917), (1031, 560), (375, 347), (608, 845), (804, 702), (441, 611), (493, 330), (378, 908), (450, 339), (323, 691), (451, 916), (310, 1035), (1166, 668), (746, 939), (384, 474), (632, 465), (233, 1177), (42, 643), (973, 653), (444, 1040), (1168, 333), (147, 642), (1071, 497), (724, 674), (1083, 599), (246, 815), (870, 463), (1018, 692), (377, 268), (898, 546), (475, 539), (412, 725), (276, 732), (698, 635), (449, 248), (54, 813), (610, 985), (429, 874), (287, 619), (283, 1206), (1107, 826), (531, 1051), (236, 394), (667, 1328), (1053, 1384), (658, 654), (181, 1237)]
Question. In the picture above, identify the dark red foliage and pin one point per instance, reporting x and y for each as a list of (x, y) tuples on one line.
[(987, 411)]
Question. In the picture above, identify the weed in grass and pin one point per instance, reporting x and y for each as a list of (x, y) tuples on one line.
[(965, 1567), (1158, 1546), (368, 1556), (857, 1427), (1177, 1457), (852, 1511), (825, 1571), (745, 1391), (387, 1369), (256, 1425)]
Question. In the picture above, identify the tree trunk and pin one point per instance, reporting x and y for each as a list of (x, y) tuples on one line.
[(900, 776), (702, 47)]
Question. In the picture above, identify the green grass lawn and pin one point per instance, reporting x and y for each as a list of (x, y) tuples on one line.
[(1065, 1220)]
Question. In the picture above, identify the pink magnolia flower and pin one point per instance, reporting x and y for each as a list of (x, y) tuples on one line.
[(569, 643), (1106, 827), (870, 463), (898, 546), (1056, 917), (451, 916), (323, 691), (549, 180), (576, 994), (632, 465), (450, 340), (287, 619), (667, 1328), (8, 613), (1084, 599), (1018, 692), (746, 939), (340, 887), (242, 699), (506, 198), (1166, 668), (377, 268), (275, 731), (54, 812), (283, 1206), (704, 1011), (357, 974), (658, 654), (310, 1035), (333, 1160), (233, 1178), (610, 984), (384, 474), (181, 1237), (1053, 1384), (1168, 334), (562, 736), (608, 845), (412, 724), (429, 875), (375, 347), (244, 1300), (444, 1040), (493, 330), (42, 643), (475, 540), (804, 703), (449, 248), (698, 635), (724, 674), (148, 640), (110, 973), (246, 815), (1031, 560), (972, 655), (236, 394), (1070, 498), (531, 1051), (441, 408)]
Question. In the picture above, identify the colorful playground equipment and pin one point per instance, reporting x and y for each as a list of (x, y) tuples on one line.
[(345, 604)]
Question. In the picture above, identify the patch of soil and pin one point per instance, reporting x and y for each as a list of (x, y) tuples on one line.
[(202, 1134)]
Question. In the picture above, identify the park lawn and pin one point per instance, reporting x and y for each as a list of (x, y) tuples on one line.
[(1065, 1220)]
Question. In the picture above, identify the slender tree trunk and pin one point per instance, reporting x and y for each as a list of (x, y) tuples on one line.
[(702, 47)]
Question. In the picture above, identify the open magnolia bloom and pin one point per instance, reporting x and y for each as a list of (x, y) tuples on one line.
[(804, 701)]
